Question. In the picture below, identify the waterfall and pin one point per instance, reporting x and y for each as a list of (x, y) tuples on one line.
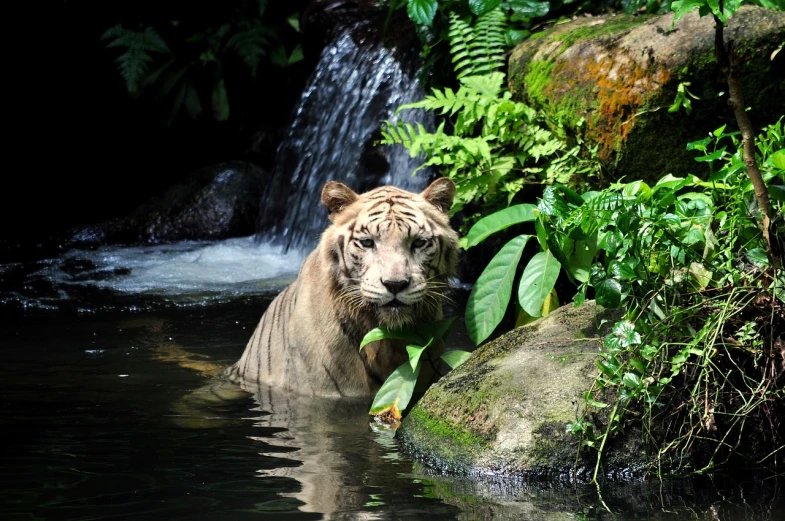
[(357, 83)]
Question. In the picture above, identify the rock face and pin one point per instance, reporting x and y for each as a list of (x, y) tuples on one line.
[(505, 410), (621, 73), (216, 202)]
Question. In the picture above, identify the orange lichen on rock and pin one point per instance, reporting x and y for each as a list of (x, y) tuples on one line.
[(620, 87)]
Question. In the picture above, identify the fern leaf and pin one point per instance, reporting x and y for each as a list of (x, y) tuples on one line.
[(134, 63), (479, 49), (251, 43)]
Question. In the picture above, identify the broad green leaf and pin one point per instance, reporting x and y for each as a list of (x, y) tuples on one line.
[(682, 7), (608, 293), (414, 354), (637, 189), (480, 7), (711, 157), (192, 103), (758, 256), (513, 37), (621, 270), (637, 364), (607, 370), (551, 303), (631, 380), (542, 232), (499, 221), (631, 6), (220, 102), (490, 295), (580, 296), (380, 333), (699, 145), (422, 12), (625, 332), (537, 281), (395, 393), (777, 159), (582, 257), (701, 277), (455, 357), (297, 54), (529, 8), (648, 352), (570, 195)]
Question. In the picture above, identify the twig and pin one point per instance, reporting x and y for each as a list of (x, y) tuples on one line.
[(728, 67)]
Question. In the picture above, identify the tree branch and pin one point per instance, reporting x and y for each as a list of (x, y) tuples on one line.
[(729, 68)]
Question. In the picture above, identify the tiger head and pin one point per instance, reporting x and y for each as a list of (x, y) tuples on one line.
[(391, 252)]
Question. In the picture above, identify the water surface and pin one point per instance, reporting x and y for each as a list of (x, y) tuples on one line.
[(111, 410)]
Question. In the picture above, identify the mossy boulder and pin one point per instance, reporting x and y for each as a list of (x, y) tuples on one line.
[(505, 410), (612, 78)]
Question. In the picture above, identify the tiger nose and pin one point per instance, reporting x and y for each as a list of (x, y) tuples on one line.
[(395, 286)]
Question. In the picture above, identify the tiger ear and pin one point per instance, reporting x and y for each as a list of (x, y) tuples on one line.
[(336, 196), (440, 193)]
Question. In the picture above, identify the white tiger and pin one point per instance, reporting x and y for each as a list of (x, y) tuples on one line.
[(384, 261)]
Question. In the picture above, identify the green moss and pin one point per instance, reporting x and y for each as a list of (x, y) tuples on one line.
[(613, 25), (538, 35), (567, 109), (699, 62), (538, 76), (439, 442), (443, 430)]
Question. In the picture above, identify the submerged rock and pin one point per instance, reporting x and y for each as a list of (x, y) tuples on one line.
[(217, 202), (620, 73), (505, 410)]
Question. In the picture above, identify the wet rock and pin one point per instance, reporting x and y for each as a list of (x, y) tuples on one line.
[(621, 73), (216, 202), (505, 410)]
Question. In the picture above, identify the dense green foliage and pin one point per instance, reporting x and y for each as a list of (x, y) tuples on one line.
[(186, 64), (698, 355), (494, 146), (685, 260), (696, 352)]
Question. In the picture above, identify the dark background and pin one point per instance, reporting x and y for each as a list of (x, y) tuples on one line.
[(78, 150)]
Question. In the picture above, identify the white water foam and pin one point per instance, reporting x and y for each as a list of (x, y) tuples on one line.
[(233, 266)]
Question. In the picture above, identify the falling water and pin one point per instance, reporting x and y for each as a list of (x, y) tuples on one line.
[(357, 84)]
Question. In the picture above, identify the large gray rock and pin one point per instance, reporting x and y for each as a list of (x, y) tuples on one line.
[(621, 73), (216, 202), (505, 410)]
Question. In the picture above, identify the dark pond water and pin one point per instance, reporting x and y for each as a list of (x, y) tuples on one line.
[(118, 416)]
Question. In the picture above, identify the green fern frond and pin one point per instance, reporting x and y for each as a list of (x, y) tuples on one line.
[(251, 42), (486, 84), (134, 63), (480, 49)]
